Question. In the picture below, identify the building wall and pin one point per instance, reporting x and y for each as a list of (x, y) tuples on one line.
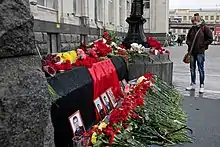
[(211, 16), (88, 18)]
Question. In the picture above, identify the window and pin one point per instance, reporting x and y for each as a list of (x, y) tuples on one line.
[(212, 17), (184, 30), (128, 8), (47, 3), (74, 6), (206, 17), (217, 17), (201, 17), (190, 17), (40, 2), (147, 4), (184, 17)]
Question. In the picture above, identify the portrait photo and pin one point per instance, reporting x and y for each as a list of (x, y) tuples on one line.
[(100, 109), (124, 82), (112, 97), (106, 102), (122, 87), (77, 124)]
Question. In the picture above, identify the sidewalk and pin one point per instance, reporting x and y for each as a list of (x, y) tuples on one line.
[(204, 120), (203, 110)]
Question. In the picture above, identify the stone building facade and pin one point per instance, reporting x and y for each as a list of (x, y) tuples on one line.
[(63, 24), (183, 16)]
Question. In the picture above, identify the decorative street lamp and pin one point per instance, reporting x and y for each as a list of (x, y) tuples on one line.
[(135, 32)]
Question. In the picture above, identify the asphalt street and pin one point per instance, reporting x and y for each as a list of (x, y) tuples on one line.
[(203, 110)]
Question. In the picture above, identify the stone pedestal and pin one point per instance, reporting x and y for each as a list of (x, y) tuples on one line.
[(159, 65), (24, 98)]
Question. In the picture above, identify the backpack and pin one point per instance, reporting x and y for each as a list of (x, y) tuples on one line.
[(203, 28)]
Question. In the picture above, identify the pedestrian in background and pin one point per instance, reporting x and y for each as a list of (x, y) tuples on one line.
[(197, 49)]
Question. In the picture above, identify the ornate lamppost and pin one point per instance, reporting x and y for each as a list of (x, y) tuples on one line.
[(136, 32)]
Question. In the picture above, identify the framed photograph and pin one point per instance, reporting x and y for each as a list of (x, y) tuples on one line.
[(106, 102), (122, 87), (100, 109), (112, 97), (77, 124), (124, 82)]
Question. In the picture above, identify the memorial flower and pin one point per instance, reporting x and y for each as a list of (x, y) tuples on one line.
[(96, 51), (101, 48)]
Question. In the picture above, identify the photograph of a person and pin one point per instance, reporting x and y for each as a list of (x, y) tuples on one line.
[(122, 87), (112, 97), (100, 109), (77, 124), (124, 82), (106, 102)]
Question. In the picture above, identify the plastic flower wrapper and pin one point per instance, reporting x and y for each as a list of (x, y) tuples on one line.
[(140, 79)]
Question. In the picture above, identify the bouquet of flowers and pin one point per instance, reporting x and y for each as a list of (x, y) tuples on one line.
[(149, 114)]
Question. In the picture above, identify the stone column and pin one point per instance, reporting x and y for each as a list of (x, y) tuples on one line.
[(117, 14), (159, 16), (24, 98)]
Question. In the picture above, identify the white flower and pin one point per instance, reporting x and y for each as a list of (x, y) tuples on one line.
[(104, 40), (114, 44), (134, 45), (139, 51), (139, 46)]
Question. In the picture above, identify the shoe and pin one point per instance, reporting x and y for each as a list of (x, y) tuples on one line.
[(191, 87), (201, 89)]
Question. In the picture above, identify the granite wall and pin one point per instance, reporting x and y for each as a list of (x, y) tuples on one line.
[(24, 98), (70, 36)]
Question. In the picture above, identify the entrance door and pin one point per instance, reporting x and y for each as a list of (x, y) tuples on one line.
[(53, 42)]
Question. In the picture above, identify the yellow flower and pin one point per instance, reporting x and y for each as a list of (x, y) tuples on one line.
[(71, 56), (102, 125), (93, 138), (140, 79)]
